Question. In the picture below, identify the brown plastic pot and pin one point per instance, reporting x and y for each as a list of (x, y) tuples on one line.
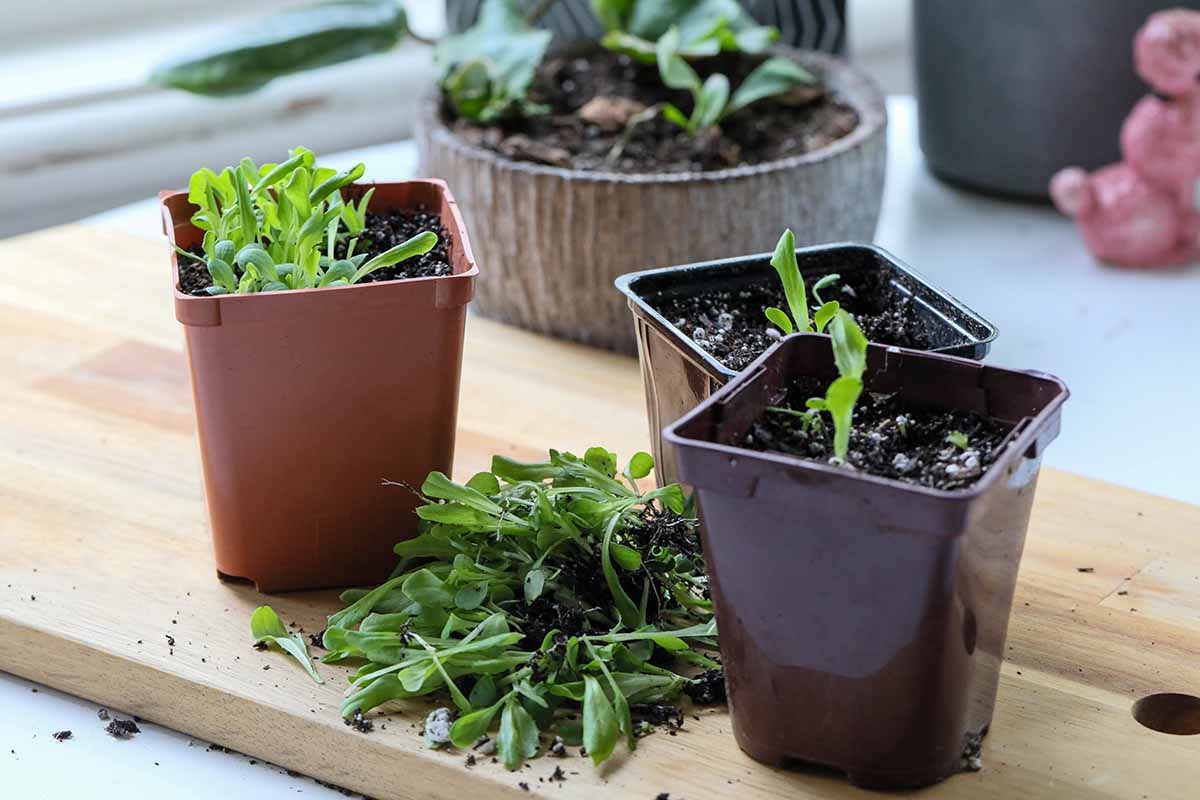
[(677, 373), (863, 619), (556, 239), (307, 400)]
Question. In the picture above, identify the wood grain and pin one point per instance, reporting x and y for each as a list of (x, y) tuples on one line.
[(550, 241), (102, 521)]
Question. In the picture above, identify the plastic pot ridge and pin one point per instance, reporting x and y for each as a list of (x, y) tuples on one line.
[(863, 619), (677, 373), (308, 400)]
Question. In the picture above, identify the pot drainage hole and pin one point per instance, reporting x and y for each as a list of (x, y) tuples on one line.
[(1177, 714)]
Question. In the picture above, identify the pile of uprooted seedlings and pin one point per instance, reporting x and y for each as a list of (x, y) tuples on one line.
[(552, 597)]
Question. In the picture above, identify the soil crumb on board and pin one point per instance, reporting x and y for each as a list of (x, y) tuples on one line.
[(122, 728)]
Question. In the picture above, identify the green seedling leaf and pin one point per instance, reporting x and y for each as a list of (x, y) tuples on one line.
[(849, 345), (710, 102), (265, 626), (827, 280), (773, 76), (824, 314), (840, 398), (641, 465), (784, 262), (336, 182), (418, 245), (468, 728), (600, 730), (780, 319), (222, 274), (535, 583), (518, 737), (488, 69), (958, 439)]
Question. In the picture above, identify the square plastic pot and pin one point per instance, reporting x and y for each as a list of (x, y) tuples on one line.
[(307, 400), (677, 374), (862, 620)]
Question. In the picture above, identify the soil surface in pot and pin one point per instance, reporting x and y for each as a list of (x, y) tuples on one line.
[(729, 322), (593, 101), (889, 438), (383, 231)]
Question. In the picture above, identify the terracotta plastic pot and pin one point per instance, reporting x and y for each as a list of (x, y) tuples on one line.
[(863, 619), (307, 400), (556, 238), (678, 374)]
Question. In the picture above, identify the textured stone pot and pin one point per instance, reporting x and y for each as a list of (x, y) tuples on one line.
[(556, 239)]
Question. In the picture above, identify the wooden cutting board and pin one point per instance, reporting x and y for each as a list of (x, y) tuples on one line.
[(104, 554)]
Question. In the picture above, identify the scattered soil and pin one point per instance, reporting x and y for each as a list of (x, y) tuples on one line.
[(585, 589), (102, 713), (317, 639), (360, 723), (707, 688), (62, 736), (122, 728), (889, 439), (594, 123), (728, 322), (658, 714), (383, 231)]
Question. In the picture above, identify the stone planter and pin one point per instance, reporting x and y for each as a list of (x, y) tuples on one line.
[(556, 239)]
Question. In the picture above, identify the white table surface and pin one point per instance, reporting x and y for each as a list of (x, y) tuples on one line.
[(1118, 337)]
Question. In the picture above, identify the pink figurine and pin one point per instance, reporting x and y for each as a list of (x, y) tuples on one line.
[(1143, 211)]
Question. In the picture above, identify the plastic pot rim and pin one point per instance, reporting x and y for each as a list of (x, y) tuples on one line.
[(625, 284), (1025, 442)]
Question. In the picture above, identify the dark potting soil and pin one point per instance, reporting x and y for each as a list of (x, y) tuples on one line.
[(707, 688), (383, 231), (592, 100), (729, 322), (889, 438), (584, 586)]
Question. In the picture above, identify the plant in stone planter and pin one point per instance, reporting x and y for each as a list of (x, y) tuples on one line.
[(698, 325), (324, 324), (682, 111), (895, 533)]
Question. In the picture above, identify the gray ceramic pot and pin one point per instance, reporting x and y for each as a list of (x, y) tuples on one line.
[(1010, 91)]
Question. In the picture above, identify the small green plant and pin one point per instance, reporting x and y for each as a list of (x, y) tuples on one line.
[(850, 357), (536, 590), (267, 629), (488, 69), (784, 262), (706, 27), (958, 439), (277, 227)]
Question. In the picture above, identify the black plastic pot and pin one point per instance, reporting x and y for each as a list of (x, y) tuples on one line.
[(863, 619), (677, 374)]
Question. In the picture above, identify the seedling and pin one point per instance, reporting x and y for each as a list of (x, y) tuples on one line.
[(706, 27), (267, 629), (784, 262), (850, 356), (277, 227), (711, 99), (536, 589), (488, 69), (958, 439)]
